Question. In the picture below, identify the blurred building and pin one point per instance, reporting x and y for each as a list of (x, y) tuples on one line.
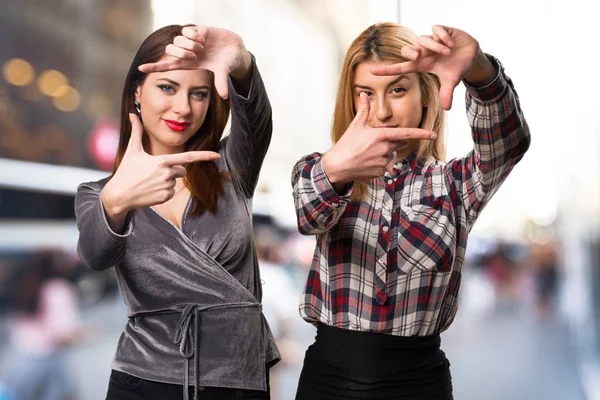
[(62, 72), (62, 67)]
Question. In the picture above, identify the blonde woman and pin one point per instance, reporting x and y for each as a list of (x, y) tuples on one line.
[(391, 217)]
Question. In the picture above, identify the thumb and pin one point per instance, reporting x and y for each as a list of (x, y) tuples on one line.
[(222, 84), (137, 131), (362, 111), (446, 94)]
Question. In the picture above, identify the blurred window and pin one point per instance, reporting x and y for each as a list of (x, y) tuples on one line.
[(26, 204)]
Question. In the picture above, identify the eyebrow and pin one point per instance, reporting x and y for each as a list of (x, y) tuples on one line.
[(392, 83), (172, 82)]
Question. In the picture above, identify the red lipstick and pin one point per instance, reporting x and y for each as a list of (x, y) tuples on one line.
[(177, 126)]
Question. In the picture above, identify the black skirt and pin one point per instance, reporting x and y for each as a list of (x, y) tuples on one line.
[(344, 364)]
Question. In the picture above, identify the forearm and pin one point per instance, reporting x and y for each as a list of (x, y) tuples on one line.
[(318, 205), (99, 246), (499, 129), (501, 137), (251, 129)]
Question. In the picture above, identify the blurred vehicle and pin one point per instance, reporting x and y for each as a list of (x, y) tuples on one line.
[(37, 212)]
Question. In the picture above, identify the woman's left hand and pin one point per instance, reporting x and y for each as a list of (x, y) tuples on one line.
[(201, 47), (449, 53)]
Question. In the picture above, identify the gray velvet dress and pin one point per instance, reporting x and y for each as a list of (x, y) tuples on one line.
[(192, 294)]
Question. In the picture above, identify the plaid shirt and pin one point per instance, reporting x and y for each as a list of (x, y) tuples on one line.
[(392, 263)]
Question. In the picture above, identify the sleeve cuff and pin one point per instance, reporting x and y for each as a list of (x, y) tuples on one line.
[(129, 223), (325, 190), (492, 90)]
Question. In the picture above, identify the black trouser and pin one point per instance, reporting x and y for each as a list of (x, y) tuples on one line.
[(123, 386), (344, 365)]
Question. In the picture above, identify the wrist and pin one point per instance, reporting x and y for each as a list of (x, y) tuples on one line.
[(113, 204), (483, 72), (334, 176), (243, 69)]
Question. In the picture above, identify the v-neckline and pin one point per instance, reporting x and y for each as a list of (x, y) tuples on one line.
[(182, 218)]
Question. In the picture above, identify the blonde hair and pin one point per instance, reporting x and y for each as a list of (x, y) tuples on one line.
[(383, 42)]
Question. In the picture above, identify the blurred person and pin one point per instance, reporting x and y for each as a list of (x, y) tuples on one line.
[(546, 275), (280, 305), (280, 299), (391, 217), (174, 220), (503, 273), (44, 322)]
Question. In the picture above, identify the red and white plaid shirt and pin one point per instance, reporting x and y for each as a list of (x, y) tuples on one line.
[(392, 263)]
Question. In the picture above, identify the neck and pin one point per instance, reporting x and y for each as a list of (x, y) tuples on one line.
[(403, 152)]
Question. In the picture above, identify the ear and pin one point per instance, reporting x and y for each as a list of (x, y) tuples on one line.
[(138, 93)]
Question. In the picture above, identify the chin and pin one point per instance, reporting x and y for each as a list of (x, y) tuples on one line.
[(172, 143)]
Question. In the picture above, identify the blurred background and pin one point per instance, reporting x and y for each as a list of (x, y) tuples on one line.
[(528, 325)]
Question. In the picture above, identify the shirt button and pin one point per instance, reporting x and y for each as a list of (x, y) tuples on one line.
[(381, 260), (385, 228), (390, 181), (335, 204)]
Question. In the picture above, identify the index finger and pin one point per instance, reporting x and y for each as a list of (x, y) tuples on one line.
[(189, 157), (168, 64), (406, 67), (402, 134)]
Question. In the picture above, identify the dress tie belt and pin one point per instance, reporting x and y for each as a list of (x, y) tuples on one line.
[(186, 336)]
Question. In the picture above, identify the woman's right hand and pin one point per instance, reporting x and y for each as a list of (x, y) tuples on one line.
[(363, 153), (142, 179)]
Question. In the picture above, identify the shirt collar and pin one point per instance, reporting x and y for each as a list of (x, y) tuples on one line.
[(411, 161)]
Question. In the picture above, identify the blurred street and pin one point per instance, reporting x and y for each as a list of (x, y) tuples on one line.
[(504, 354), (510, 355)]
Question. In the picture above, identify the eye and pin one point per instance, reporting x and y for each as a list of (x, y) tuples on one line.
[(398, 90), (166, 88), (199, 94), (369, 94)]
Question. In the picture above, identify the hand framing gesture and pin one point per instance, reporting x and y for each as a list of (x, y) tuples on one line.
[(200, 47), (145, 180), (449, 53)]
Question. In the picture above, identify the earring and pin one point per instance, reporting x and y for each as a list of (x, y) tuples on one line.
[(138, 108)]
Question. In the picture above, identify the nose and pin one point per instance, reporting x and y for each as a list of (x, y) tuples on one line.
[(383, 111), (181, 104)]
